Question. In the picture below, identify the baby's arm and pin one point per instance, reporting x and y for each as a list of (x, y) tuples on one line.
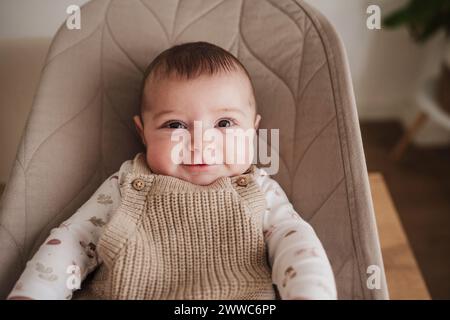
[(69, 248), (300, 267)]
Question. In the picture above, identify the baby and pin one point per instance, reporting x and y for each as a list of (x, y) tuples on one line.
[(175, 223)]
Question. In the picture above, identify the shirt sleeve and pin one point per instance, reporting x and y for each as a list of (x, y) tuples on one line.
[(300, 266), (68, 254)]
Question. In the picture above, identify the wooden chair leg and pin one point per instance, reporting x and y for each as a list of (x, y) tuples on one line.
[(401, 146)]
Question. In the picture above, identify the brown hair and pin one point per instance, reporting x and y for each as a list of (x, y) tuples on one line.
[(190, 60)]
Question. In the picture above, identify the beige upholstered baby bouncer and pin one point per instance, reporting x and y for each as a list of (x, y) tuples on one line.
[(80, 129)]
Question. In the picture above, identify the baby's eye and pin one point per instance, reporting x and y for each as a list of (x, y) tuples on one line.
[(223, 123), (175, 125)]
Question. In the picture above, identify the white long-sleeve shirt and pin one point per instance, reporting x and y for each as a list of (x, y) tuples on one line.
[(300, 267)]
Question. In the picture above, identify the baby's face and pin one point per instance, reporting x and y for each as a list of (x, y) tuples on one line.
[(217, 103)]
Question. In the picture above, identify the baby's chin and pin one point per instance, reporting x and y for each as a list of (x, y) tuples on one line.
[(201, 179), (202, 175)]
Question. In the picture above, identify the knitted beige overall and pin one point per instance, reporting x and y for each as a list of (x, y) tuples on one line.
[(171, 239)]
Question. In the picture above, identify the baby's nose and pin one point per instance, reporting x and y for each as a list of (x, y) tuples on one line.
[(201, 145), (200, 141), (194, 148)]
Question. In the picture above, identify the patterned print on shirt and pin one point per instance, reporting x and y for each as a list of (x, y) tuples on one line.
[(104, 199), (45, 273)]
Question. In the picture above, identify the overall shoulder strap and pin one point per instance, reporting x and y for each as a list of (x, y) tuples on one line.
[(247, 187), (136, 180)]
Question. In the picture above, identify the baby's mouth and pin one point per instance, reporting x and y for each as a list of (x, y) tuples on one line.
[(198, 166)]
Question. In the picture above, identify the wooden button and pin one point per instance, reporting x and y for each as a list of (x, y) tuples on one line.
[(138, 184), (242, 181)]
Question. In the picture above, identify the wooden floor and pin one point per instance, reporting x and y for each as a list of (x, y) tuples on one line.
[(404, 277), (420, 187)]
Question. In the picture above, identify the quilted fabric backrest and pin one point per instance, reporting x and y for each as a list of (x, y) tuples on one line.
[(80, 129)]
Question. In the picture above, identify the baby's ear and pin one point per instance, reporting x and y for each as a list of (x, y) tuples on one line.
[(257, 120), (139, 128)]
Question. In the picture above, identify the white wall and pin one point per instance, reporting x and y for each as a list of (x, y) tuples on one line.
[(387, 66), (33, 18), (26, 29)]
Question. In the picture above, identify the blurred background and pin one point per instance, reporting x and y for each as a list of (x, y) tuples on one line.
[(401, 91)]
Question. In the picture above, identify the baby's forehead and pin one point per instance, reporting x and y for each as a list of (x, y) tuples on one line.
[(159, 76), (162, 93)]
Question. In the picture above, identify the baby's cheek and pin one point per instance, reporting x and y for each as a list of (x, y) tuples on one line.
[(159, 157), (238, 151)]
